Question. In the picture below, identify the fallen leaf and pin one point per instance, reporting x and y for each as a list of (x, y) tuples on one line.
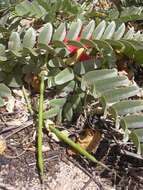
[(10, 105), (2, 146), (89, 141)]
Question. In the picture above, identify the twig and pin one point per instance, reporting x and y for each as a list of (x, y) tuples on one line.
[(86, 184), (88, 173), (27, 124), (40, 126), (27, 101), (6, 187), (131, 154)]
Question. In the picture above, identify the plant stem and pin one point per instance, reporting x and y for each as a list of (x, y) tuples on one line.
[(79, 149), (27, 101), (40, 126)]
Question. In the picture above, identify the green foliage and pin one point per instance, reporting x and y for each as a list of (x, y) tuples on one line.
[(127, 3), (109, 88), (4, 92), (24, 50)]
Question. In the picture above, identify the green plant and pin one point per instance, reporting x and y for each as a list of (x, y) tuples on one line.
[(87, 74), (27, 54)]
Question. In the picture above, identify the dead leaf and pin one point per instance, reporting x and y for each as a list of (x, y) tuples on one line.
[(2, 146), (35, 82), (10, 105), (89, 141)]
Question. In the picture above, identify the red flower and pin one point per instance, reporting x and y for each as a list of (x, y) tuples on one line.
[(84, 56)]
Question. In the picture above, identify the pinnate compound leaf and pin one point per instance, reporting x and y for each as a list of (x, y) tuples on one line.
[(29, 39), (4, 90), (14, 43), (74, 31), (64, 76), (45, 34), (132, 121)]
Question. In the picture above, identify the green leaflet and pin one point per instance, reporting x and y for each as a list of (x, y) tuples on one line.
[(96, 75), (136, 142), (68, 111), (60, 33), (59, 102), (51, 113), (64, 76), (129, 34), (74, 31), (120, 32), (109, 31), (88, 30), (29, 39), (117, 94), (1, 102), (14, 43), (45, 34), (105, 84), (4, 90), (126, 106), (98, 32), (2, 53)]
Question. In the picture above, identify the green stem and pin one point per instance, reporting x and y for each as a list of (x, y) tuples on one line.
[(40, 126), (79, 149), (27, 101)]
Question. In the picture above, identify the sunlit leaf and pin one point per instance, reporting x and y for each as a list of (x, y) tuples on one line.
[(117, 94), (60, 33), (93, 76), (14, 43), (120, 32), (132, 121), (109, 31), (129, 34), (29, 39), (98, 32), (74, 31), (88, 30), (45, 34)]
